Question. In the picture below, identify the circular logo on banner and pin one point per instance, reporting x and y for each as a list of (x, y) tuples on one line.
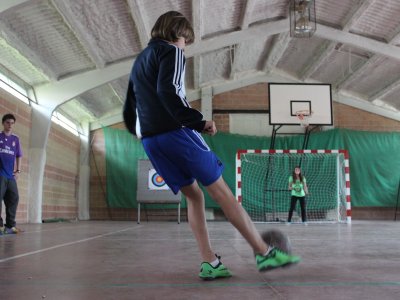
[(157, 180)]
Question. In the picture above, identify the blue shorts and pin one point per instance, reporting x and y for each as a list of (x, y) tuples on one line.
[(181, 157)]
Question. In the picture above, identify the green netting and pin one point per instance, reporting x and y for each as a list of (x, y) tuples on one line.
[(374, 162), (266, 176), (265, 194), (122, 154)]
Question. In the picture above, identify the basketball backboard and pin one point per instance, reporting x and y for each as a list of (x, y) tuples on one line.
[(285, 99)]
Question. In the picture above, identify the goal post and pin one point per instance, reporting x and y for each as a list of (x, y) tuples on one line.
[(262, 184)]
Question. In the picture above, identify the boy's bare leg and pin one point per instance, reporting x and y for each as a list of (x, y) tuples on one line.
[(236, 214), (197, 220)]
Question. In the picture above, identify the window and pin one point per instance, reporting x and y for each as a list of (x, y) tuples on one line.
[(13, 88), (65, 123)]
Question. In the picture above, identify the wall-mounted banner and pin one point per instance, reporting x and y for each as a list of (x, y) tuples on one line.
[(156, 182)]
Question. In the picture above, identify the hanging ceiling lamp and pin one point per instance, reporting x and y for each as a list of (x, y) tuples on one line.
[(302, 18)]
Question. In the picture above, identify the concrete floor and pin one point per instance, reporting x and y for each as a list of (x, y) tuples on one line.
[(159, 260)]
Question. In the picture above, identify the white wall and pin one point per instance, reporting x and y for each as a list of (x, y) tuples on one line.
[(257, 124)]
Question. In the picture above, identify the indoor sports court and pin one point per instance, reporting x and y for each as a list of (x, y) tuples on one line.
[(158, 260), (296, 102)]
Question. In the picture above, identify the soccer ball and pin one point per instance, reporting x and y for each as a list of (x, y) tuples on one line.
[(278, 239)]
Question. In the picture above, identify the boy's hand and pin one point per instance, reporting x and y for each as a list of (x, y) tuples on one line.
[(210, 128)]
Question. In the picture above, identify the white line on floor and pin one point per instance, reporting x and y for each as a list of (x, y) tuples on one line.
[(63, 245)]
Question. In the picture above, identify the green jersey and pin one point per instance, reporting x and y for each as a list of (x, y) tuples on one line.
[(297, 187)]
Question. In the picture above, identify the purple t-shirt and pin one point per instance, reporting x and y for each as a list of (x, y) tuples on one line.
[(10, 148)]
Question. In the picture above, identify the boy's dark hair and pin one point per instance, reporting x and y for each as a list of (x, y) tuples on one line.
[(7, 117), (171, 26)]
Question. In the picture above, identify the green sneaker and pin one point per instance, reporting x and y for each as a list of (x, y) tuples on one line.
[(1, 230), (208, 272), (275, 259)]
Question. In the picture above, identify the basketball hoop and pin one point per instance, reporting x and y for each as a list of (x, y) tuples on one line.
[(304, 117)]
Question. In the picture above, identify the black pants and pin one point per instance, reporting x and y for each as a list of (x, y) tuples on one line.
[(293, 206), (9, 193)]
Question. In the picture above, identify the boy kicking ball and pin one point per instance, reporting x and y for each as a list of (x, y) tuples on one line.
[(157, 112)]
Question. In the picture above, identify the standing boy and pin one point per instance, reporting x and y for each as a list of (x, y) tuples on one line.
[(10, 167)]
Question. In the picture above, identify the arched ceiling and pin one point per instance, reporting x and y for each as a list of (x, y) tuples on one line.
[(77, 54)]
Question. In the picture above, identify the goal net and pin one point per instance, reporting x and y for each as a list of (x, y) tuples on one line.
[(263, 180)]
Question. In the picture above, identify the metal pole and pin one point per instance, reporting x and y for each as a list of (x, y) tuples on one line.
[(397, 204)]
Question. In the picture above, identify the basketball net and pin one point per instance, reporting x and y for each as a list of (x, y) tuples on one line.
[(304, 117)]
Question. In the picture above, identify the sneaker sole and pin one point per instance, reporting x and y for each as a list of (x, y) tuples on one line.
[(270, 268), (213, 278)]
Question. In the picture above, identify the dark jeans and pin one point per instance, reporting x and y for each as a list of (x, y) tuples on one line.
[(293, 206), (9, 193)]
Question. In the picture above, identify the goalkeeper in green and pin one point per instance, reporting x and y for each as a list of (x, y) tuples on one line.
[(299, 190)]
